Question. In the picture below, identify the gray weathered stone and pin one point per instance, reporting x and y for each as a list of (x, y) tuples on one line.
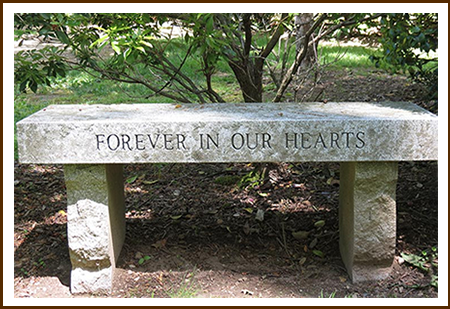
[(88, 281), (88, 234), (139, 133), (368, 138), (96, 224), (367, 218)]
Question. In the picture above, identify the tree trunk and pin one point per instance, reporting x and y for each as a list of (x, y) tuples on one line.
[(250, 80), (248, 68), (303, 23)]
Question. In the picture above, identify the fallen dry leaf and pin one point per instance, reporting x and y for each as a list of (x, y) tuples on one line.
[(160, 243)]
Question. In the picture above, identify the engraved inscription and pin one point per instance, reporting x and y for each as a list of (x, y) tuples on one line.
[(238, 141)]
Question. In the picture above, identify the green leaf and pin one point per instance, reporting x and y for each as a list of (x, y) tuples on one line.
[(63, 37), (33, 86), (300, 235), (141, 261), (99, 41), (140, 48), (415, 260), (127, 53), (23, 86), (99, 28), (115, 47), (148, 44), (319, 223), (434, 281), (318, 253), (176, 217), (209, 24), (132, 179), (61, 72)]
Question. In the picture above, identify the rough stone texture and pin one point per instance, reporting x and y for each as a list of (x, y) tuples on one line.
[(259, 132), (88, 234), (87, 281), (367, 218), (96, 224)]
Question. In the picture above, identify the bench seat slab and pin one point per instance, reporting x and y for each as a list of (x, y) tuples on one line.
[(259, 132)]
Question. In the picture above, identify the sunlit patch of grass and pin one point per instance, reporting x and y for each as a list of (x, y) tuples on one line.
[(187, 289), (346, 56)]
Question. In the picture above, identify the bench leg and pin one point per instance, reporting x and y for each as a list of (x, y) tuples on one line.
[(96, 224), (367, 218)]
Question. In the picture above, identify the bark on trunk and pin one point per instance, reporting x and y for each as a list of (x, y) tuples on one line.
[(250, 81), (303, 23)]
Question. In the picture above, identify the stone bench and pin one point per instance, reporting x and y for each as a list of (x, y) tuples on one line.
[(93, 141)]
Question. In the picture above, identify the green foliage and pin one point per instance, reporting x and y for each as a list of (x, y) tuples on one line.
[(349, 25), (144, 259), (318, 253), (426, 261), (131, 179), (188, 288), (23, 271), (23, 108), (132, 49), (39, 263), (319, 224), (252, 179), (38, 67), (409, 42), (332, 295), (206, 41), (84, 36)]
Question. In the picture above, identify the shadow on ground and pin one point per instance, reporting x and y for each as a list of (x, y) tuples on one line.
[(192, 232)]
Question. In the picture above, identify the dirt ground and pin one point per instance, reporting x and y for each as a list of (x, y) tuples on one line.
[(192, 231)]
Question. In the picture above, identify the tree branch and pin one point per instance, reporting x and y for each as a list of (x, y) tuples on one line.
[(274, 39), (298, 60), (132, 80), (344, 24), (248, 35), (176, 72)]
